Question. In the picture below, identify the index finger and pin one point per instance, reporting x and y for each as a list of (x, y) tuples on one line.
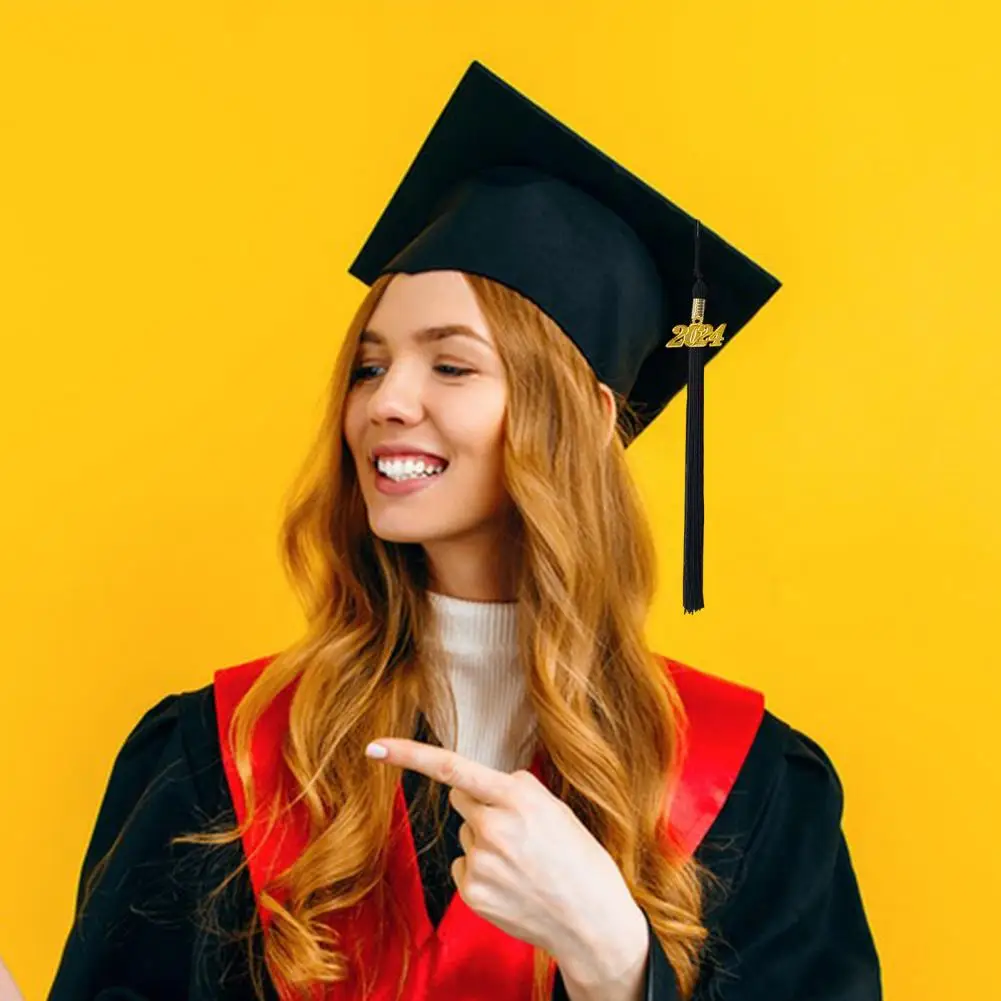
[(482, 782)]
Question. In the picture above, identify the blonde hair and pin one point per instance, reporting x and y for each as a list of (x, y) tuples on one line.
[(606, 707)]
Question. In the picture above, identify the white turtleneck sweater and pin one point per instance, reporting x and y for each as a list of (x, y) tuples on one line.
[(477, 652)]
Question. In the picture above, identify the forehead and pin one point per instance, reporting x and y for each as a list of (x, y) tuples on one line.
[(432, 299)]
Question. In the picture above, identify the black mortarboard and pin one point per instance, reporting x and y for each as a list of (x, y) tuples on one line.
[(502, 189)]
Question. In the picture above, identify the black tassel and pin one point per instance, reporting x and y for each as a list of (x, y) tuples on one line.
[(695, 454)]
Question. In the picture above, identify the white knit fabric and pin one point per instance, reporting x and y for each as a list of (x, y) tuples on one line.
[(479, 657)]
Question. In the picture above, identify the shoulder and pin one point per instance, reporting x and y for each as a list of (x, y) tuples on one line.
[(781, 760), (744, 764), (175, 743), (182, 717), (170, 765), (766, 750), (787, 800), (190, 719), (174, 750)]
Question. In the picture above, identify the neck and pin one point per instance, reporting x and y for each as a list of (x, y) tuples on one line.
[(471, 569)]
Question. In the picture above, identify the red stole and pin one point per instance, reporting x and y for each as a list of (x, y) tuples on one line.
[(466, 958)]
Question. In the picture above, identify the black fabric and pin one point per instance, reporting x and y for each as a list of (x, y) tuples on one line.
[(434, 855), (786, 919)]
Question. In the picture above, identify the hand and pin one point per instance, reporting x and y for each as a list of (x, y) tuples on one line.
[(531, 867), (8, 989)]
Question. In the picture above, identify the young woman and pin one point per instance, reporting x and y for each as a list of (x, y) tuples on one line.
[(556, 811)]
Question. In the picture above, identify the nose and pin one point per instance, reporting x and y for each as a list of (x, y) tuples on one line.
[(397, 396)]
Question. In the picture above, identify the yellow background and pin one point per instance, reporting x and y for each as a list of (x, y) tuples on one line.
[(182, 188)]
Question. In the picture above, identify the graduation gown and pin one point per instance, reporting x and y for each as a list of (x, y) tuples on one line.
[(758, 803)]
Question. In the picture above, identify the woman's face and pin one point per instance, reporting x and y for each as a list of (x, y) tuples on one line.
[(425, 391)]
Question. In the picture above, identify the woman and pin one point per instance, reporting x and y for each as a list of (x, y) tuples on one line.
[(557, 812)]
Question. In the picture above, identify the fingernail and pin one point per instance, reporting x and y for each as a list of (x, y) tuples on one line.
[(375, 751)]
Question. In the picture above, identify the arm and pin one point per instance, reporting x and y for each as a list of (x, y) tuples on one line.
[(135, 933), (791, 924)]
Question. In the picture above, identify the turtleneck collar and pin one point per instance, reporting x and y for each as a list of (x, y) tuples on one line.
[(478, 656), (485, 628)]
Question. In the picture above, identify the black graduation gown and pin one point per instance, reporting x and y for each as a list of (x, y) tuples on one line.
[(786, 920)]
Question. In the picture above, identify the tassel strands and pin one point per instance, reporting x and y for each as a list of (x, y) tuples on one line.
[(692, 587)]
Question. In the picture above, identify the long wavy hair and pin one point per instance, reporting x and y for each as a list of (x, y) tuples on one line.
[(608, 713)]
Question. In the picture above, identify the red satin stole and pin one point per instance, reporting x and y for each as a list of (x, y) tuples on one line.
[(466, 958)]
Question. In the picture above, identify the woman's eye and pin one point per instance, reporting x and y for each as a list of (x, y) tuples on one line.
[(365, 372)]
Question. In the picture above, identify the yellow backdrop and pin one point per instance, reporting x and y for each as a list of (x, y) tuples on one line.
[(182, 188)]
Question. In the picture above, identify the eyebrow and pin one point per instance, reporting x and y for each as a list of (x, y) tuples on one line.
[(427, 335)]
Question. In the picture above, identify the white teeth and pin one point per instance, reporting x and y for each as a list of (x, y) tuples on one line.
[(408, 469)]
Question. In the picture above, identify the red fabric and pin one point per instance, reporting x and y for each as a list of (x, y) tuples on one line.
[(466, 958), (722, 721)]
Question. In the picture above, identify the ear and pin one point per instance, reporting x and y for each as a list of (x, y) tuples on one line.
[(608, 401)]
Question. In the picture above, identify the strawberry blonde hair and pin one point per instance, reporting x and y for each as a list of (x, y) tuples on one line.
[(608, 713)]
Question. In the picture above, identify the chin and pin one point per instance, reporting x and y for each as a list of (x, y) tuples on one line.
[(418, 530), (402, 535), (396, 530)]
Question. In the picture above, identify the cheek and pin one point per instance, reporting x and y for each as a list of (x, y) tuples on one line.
[(481, 441), (490, 452), (351, 424), (480, 425)]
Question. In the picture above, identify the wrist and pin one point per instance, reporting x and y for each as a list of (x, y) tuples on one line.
[(610, 959)]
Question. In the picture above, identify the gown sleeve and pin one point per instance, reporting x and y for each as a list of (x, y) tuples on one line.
[(783, 908), (786, 920), (138, 937)]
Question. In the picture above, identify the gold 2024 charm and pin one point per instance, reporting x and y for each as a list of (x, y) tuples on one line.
[(696, 335)]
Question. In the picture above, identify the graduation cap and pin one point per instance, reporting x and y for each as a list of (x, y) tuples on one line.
[(502, 189)]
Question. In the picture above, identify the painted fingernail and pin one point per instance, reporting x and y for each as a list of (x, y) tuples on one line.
[(375, 751)]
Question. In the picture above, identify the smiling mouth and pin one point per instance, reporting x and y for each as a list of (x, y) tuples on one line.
[(404, 471)]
